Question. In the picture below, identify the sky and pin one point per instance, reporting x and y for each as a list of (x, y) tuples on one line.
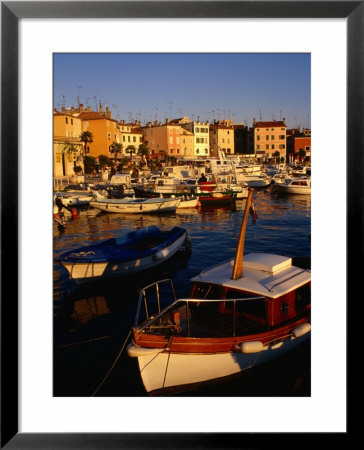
[(204, 86)]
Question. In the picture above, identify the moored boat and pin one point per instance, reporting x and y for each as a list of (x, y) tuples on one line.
[(240, 314), (293, 186), (129, 205), (128, 255)]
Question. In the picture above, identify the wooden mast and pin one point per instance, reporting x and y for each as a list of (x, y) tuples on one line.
[(238, 264)]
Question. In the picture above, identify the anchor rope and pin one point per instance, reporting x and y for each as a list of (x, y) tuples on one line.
[(169, 354), (113, 365), (162, 350)]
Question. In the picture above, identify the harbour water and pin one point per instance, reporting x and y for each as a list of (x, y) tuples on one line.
[(92, 322)]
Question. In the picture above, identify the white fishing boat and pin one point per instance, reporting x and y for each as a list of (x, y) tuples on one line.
[(293, 186), (129, 205), (240, 314)]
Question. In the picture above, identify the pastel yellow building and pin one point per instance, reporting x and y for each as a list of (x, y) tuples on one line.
[(67, 147), (222, 138), (130, 134)]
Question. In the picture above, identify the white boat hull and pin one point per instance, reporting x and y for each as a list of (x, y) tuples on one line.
[(160, 369), (143, 207), (292, 189), (86, 272)]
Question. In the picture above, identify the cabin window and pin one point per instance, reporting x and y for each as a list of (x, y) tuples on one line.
[(252, 309), (303, 297)]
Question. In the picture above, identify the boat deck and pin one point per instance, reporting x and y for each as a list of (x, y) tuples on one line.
[(204, 323)]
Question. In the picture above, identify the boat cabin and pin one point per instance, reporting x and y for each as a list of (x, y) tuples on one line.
[(270, 294)]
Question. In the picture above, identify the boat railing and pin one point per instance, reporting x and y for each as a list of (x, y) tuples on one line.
[(187, 301), (143, 298)]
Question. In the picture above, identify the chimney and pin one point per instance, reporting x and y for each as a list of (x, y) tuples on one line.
[(167, 120), (253, 120), (284, 120)]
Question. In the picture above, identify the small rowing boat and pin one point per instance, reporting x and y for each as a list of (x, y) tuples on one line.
[(135, 252), (129, 205)]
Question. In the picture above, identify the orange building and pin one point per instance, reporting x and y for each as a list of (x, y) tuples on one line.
[(296, 143), (168, 139), (269, 139), (104, 129)]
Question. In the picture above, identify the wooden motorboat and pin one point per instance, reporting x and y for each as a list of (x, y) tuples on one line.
[(129, 205), (135, 252), (293, 186), (240, 314)]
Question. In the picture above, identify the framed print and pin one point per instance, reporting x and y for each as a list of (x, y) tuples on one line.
[(35, 412)]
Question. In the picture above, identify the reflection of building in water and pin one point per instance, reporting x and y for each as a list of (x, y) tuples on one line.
[(87, 309)]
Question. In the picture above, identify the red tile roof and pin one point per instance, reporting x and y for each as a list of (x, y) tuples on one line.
[(269, 124)]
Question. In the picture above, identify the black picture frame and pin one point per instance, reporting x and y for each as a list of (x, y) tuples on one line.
[(11, 12)]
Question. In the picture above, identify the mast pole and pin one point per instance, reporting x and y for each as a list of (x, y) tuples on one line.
[(238, 264)]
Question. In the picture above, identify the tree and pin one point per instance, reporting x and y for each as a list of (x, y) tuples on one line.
[(143, 151), (130, 149), (301, 153), (116, 148), (90, 164), (71, 148), (104, 161), (277, 155), (87, 138)]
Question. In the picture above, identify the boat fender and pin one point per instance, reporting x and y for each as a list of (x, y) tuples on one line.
[(74, 213), (251, 347), (161, 254), (301, 330)]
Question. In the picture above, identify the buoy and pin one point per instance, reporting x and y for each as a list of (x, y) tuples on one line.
[(74, 213), (301, 330), (161, 254), (251, 347)]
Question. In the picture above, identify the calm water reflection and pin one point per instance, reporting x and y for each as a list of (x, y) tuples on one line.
[(91, 322)]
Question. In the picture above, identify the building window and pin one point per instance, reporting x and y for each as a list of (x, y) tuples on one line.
[(123, 138), (66, 120), (171, 140), (258, 138), (128, 138), (71, 121), (282, 136), (267, 138), (272, 137), (134, 138), (267, 147)]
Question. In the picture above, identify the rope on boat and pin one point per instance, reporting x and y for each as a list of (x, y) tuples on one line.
[(169, 354), (161, 351), (113, 365)]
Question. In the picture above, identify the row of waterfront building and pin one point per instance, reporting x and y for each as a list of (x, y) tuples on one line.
[(81, 131)]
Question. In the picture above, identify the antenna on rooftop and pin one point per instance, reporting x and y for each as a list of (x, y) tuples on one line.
[(170, 109), (64, 100), (78, 95), (260, 115)]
